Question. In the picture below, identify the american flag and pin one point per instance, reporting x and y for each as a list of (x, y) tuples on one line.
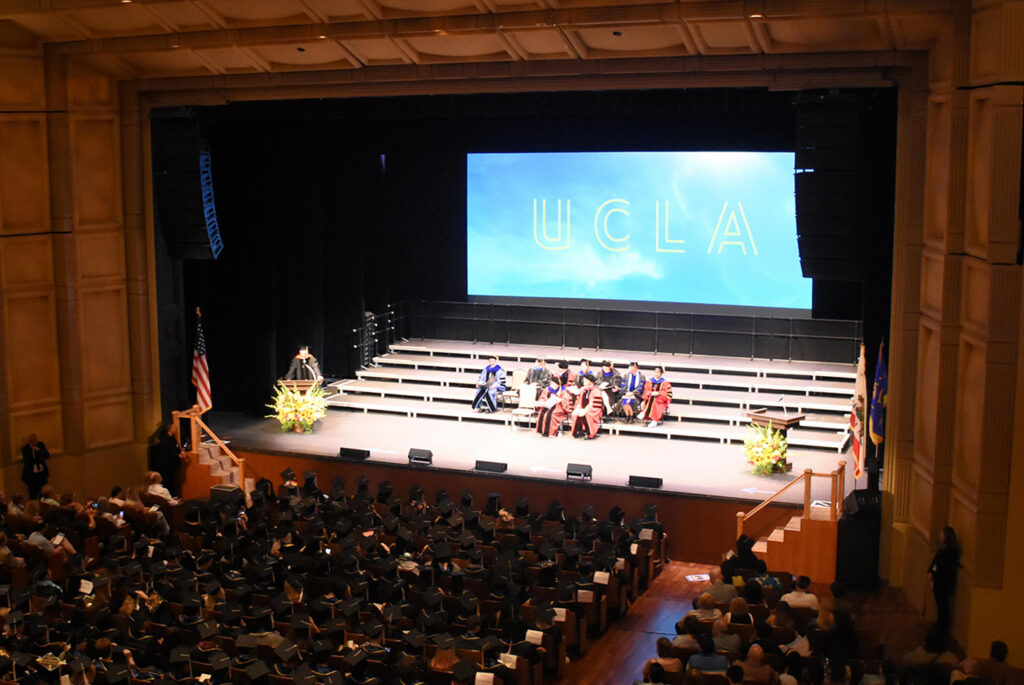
[(200, 369)]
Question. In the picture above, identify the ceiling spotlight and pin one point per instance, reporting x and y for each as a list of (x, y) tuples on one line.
[(616, 33), (757, 16), (321, 36), (301, 49), (126, 2)]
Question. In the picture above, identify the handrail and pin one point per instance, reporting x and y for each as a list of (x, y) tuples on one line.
[(198, 427), (838, 478)]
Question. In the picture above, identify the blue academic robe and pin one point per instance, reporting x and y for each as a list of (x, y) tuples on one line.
[(635, 384), (490, 382)]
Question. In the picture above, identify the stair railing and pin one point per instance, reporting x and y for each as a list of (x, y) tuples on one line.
[(196, 429), (838, 478)]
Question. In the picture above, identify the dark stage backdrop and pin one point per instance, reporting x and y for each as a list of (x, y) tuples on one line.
[(331, 208)]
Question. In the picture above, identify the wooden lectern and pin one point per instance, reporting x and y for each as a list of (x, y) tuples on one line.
[(780, 420), (302, 386)]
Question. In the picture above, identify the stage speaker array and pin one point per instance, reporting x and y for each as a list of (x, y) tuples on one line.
[(354, 454), (579, 472), (419, 457), (644, 482), (183, 185), (491, 466), (227, 494)]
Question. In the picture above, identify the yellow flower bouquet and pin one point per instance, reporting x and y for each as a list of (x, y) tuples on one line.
[(298, 411), (765, 449)]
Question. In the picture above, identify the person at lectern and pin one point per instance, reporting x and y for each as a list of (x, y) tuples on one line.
[(657, 397), (304, 367), (490, 383), (586, 417), (632, 391)]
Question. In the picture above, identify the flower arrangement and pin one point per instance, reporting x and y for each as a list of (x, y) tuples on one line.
[(296, 410), (765, 449)]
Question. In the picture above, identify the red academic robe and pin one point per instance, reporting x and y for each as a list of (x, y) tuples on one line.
[(549, 420), (589, 423), (657, 397)]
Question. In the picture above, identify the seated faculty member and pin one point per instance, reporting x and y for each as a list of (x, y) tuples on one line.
[(490, 383)]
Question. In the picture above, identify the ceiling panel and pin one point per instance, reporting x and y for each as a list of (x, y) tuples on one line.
[(229, 60), (160, 63), (341, 10), (123, 20), (239, 13), (724, 37), (50, 26), (628, 41), (835, 35), (542, 43), (323, 54), (377, 51), (483, 47), (183, 16), (409, 8)]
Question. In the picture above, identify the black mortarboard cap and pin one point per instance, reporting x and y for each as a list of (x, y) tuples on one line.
[(355, 657), (589, 511), (464, 670), (219, 661), (256, 670), (391, 612), (432, 596), (207, 629), (415, 639), (373, 628), (191, 599), (14, 618), (443, 641), (288, 474), (246, 641), (280, 603), (349, 607), (303, 675), (320, 647), (469, 601), (180, 655), (117, 672), (443, 551), (286, 650)]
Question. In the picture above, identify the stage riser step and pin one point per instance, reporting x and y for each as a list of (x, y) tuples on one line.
[(796, 404), (686, 430), (727, 415), (388, 366), (526, 354)]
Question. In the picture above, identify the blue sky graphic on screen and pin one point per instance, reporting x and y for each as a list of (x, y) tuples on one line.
[(697, 227)]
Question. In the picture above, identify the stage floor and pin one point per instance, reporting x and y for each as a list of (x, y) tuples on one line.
[(692, 467)]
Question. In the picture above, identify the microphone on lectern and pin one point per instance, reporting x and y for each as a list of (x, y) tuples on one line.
[(784, 412)]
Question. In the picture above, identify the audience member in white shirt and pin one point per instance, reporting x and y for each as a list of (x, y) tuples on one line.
[(157, 489), (801, 598)]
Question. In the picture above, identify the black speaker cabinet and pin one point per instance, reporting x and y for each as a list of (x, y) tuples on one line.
[(491, 466), (579, 471), (857, 552), (228, 494), (420, 457), (863, 504), (644, 482), (354, 454)]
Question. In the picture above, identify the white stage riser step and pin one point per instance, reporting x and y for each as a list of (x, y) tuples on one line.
[(668, 429), (526, 354), (386, 370), (679, 411), (794, 403)]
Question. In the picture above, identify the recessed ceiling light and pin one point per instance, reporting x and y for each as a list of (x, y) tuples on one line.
[(125, 2), (321, 36), (757, 16), (616, 33), (301, 49)]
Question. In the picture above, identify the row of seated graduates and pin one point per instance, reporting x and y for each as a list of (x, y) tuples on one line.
[(226, 596), (831, 635)]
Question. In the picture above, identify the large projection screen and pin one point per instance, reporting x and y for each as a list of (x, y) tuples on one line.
[(703, 228)]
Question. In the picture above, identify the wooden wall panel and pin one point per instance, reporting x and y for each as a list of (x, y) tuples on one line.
[(24, 174), (103, 331), (21, 82), (970, 416), (997, 43), (88, 87), (100, 255), (107, 422), (96, 171), (944, 182), (921, 500), (46, 422), (927, 392), (33, 371), (26, 261)]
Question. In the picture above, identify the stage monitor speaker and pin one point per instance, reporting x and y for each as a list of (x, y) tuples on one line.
[(421, 457), (863, 504), (226, 494), (857, 552), (491, 466), (644, 482), (354, 454), (579, 471)]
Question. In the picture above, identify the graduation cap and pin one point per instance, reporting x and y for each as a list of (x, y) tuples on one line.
[(441, 495), (288, 475), (544, 612), (404, 534), (651, 510), (431, 619), (247, 641), (230, 613), (443, 640), (280, 603), (391, 612), (355, 657), (117, 672), (286, 650), (256, 670), (546, 551), (464, 670), (13, 618), (335, 626), (589, 511), (321, 647), (219, 661), (191, 600), (469, 601), (432, 596), (390, 522), (373, 628), (572, 550), (488, 642), (349, 607), (414, 639), (303, 675), (415, 493), (79, 664), (467, 539), (321, 604), (180, 655), (212, 588), (443, 551), (207, 629)]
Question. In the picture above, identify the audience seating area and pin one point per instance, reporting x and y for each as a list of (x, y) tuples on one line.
[(294, 584)]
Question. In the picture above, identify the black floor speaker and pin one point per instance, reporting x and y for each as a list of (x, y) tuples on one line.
[(857, 552), (491, 466), (644, 482), (228, 494), (354, 454)]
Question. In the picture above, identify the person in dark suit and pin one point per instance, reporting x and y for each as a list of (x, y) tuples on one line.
[(943, 570), (164, 456), (34, 470)]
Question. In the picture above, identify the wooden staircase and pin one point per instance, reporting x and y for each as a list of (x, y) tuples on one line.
[(806, 544), (210, 462)]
